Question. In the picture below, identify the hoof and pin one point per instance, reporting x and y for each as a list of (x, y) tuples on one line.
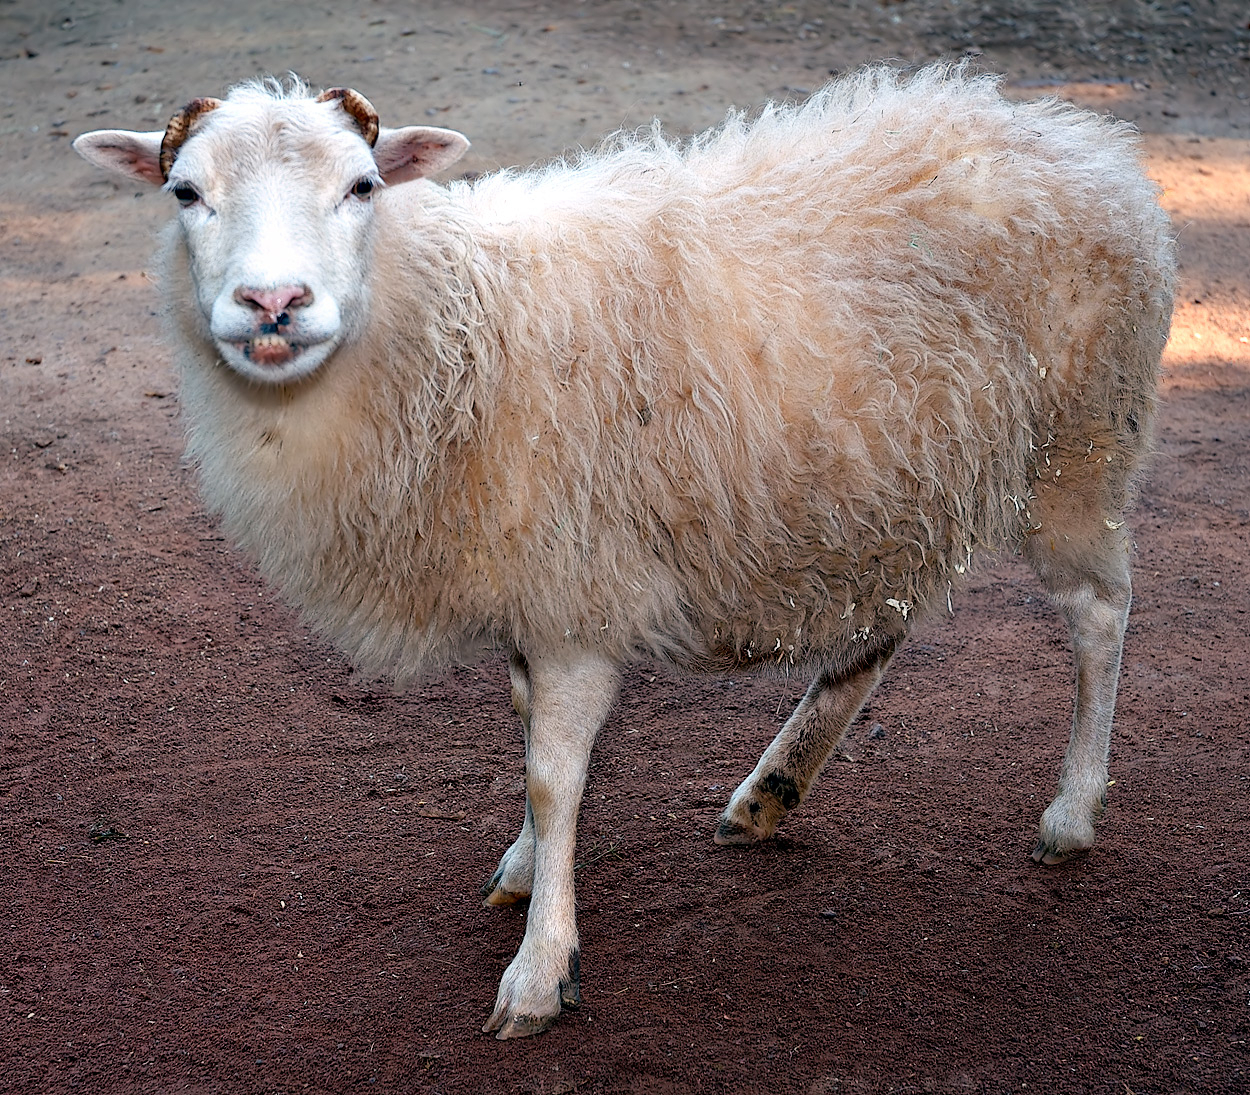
[(731, 834), (494, 892), (505, 1023), (748, 820), (517, 1026), (756, 808), (1066, 829), (1049, 856)]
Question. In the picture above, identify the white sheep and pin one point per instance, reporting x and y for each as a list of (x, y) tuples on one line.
[(752, 400)]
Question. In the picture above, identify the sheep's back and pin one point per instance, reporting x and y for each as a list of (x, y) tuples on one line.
[(781, 384)]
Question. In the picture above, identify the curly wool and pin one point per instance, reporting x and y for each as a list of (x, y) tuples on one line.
[(749, 399)]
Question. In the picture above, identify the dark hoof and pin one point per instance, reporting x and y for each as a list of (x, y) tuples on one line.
[(492, 883), (730, 833)]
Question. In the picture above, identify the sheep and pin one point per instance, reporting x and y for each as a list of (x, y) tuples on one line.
[(755, 400)]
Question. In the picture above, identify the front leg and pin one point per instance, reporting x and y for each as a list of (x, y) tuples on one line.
[(514, 877), (571, 693)]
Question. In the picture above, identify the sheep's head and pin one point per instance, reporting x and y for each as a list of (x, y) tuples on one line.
[(276, 192)]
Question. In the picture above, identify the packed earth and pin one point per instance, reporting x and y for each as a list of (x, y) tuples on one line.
[(230, 864)]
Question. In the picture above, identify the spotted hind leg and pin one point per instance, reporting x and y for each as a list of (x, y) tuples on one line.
[(790, 765)]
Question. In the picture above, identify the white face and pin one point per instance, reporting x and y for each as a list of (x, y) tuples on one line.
[(276, 199), (277, 219)]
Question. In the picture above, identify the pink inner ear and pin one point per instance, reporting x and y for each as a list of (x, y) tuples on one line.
[(145, 167), (134, 155), (417, 152)]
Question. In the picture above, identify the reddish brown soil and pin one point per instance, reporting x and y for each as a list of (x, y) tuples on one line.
[(230, 865)]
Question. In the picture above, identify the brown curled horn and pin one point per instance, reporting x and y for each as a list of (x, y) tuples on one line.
[(179, 129), (358, 107)]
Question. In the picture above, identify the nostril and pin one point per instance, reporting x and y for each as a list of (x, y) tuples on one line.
[(275, 303)]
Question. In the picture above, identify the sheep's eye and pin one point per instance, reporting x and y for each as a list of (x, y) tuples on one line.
[(362, 189), (186, 195)]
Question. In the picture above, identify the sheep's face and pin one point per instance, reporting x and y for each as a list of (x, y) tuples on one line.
[(276, 214), (277, 219)]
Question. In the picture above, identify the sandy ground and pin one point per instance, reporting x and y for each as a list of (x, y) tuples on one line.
[(228, 864)]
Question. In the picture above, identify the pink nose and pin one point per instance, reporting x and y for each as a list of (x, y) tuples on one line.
[(274, 302)]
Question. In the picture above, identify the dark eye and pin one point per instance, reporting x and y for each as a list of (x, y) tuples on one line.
[(362, 189), (186, 195)]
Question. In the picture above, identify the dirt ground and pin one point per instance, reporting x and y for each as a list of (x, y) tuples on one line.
[(228, 864)]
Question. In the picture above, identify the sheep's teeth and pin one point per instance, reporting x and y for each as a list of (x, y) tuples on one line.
[(270, 349)]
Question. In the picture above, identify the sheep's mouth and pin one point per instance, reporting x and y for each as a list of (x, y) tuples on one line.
[(270, 350), (270, 357)]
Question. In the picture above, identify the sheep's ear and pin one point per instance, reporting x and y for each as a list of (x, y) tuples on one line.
[(417, 151), (123, 152)]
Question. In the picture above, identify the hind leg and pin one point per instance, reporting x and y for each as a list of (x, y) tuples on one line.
[(1083, 561), (790, 765)]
